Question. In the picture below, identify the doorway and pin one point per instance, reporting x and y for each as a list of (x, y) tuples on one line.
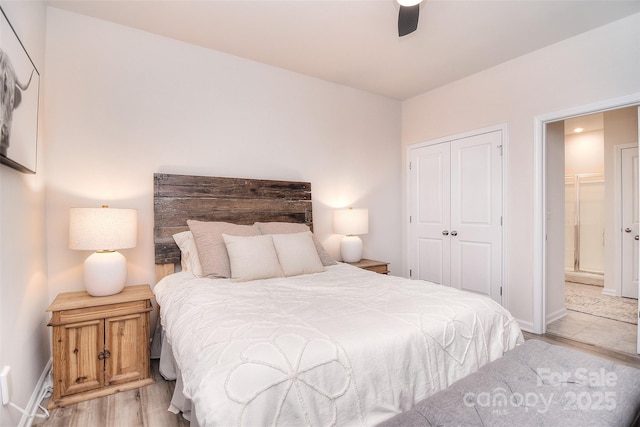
[(583, 237), (590, 306)]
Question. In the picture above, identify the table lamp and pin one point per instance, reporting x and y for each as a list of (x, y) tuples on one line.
[(351, 222), (103, 230)]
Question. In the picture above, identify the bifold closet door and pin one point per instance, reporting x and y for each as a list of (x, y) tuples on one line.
[(455, 230)]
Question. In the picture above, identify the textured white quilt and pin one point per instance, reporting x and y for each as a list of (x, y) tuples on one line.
[(342, 347)]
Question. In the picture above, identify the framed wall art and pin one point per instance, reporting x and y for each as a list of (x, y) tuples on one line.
[(18, 102)]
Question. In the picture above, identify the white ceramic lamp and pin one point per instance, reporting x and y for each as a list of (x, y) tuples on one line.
[(351, 222), (103, 230)]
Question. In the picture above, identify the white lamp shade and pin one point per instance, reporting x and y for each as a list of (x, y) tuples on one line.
[(351, 222), (101, 229)]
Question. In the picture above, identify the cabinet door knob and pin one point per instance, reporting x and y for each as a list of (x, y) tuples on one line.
[(627, 230), (445, 233), (454, 233)]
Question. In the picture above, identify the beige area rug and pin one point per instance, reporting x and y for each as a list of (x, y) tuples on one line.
[(590, 300)]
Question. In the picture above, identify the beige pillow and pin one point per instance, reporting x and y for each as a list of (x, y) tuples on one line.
[(189, 253), (293, 227), (297, 253), (252, 257), (210, 243)]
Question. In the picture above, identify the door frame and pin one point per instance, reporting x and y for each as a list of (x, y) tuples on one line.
[(501, 127), (539, 202)]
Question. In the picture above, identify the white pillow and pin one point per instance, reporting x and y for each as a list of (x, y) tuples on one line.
[(252, 257), (211, 248), (297, 253), (294, 227), (189, 259)]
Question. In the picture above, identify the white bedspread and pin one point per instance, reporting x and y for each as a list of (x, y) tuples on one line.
[(342, 347)]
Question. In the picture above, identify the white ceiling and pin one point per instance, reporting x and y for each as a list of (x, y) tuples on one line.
[(355, 42)]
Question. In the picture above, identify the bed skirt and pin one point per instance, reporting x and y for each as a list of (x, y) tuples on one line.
[(169, 370)]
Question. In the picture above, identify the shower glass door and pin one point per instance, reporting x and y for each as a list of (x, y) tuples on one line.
[(584, 223)]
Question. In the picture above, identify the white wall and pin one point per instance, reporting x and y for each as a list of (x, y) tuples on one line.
[(597, 65), (24, 342), (584, 152), (122, 104)]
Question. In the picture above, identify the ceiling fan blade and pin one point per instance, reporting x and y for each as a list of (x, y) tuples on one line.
[(408, 19)]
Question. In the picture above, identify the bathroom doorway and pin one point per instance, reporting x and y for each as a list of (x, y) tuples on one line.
[(589, 306)]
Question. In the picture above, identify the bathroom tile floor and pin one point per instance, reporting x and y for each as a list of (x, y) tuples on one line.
[(612, 334)]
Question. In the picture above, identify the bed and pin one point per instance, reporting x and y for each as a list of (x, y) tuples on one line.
[(324, 345)]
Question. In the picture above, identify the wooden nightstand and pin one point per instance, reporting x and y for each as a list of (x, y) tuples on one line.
[(372, 265), (100, 344)]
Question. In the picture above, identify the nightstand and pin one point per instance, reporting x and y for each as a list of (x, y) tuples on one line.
[(372, 265), (100, 344)]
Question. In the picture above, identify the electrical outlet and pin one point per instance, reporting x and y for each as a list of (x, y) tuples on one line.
[(4, 384)]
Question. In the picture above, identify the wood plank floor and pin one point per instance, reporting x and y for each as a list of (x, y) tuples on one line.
[(142, 407), (147, 406), (606, 353)]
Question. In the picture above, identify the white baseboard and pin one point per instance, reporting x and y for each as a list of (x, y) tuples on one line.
[(32, 406), (558, 314), (610, 292), (525, 325)]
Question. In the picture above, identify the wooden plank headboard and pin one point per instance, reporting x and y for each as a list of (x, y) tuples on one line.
[(178, 198)]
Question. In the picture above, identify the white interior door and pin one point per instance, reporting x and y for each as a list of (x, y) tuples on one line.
[(430, 192), (476, 214), (630, 231), (455, 204)]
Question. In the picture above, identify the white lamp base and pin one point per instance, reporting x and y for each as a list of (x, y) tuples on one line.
[(105, 273), (351, 248)]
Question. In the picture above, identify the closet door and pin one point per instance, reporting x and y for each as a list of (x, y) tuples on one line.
[(430, 189), (476, 214), (455, 204)]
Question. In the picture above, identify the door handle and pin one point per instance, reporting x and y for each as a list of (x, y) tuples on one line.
[(454, 233), (445, 233)]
